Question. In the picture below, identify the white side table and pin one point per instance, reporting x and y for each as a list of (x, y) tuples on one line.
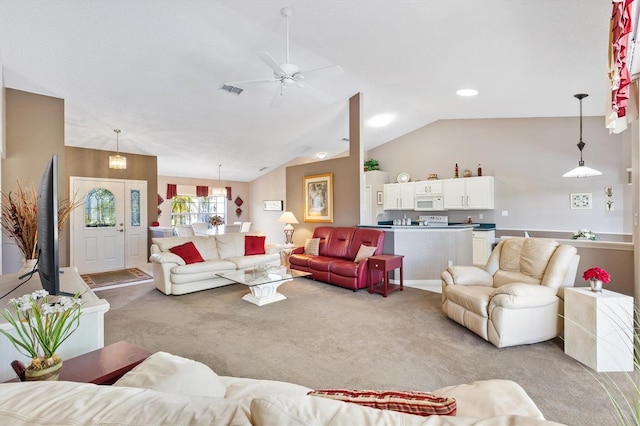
[(598, 329)]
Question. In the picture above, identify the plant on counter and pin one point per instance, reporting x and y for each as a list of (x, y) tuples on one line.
[(583, 234), (371, 164), (41, 325)]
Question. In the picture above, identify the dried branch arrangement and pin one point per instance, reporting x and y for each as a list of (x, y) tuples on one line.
[(20, 217)]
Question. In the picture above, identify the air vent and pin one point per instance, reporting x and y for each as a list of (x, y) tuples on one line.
[(231, 89)]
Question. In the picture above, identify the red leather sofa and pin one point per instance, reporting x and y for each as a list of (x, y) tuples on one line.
[(334, 263)]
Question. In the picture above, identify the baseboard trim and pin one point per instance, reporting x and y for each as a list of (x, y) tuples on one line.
[(434, 286)]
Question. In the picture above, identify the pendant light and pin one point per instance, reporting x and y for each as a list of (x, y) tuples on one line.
[(117, 161), (220, 191), (581, 170)]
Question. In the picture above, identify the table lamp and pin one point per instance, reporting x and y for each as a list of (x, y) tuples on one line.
[(288, 218)]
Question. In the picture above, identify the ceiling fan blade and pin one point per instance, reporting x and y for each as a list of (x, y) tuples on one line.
[(329, 71), (271, 63), (238, 83)]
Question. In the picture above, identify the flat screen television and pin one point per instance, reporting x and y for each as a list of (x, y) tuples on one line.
[(47, 239)]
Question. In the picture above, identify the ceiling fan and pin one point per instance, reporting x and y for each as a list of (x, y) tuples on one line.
[(289, 74)]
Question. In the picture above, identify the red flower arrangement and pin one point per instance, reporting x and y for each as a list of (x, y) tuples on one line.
[(596, 274)]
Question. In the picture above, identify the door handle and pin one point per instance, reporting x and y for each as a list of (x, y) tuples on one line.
[(120, 230)]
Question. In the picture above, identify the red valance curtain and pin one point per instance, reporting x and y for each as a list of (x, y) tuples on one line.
[(202, 191), (172, 190), (228, 188), (619, 76)]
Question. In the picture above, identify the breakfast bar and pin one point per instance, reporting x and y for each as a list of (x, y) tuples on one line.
[(428, 250)]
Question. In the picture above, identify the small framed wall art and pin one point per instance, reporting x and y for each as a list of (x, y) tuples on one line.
[(273, 205), (318, 198), (581, 200)]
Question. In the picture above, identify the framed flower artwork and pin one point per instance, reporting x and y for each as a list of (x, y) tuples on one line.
[(318, 198)]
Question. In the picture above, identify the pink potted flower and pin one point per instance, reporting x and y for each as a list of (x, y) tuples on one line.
[(596, 277)]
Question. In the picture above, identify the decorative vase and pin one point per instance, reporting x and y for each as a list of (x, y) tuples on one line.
[(596, 285), (28, 266), (50, 371), (217, 230)]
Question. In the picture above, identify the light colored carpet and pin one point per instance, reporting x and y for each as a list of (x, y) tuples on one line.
[(323, 336)]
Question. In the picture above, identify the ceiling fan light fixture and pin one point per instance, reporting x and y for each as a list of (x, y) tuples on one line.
[(117, 161), (581, 171)]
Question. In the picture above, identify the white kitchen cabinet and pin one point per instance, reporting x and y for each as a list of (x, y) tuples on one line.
[(428, 187), (482, 246), (473, 193), (399, 196)]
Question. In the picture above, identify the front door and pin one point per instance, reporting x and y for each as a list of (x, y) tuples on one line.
[(108, 229)]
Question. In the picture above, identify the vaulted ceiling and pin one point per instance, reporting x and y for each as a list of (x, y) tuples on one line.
[(154, 70)]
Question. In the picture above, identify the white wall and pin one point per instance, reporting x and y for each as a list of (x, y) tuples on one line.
[(527, 156), (271, 186)]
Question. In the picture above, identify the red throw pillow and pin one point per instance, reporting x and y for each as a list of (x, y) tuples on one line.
[(188, 252), (253, 245), (417, 403)]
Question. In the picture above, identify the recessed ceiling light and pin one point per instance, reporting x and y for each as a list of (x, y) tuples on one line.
[(466, 92), (380, 120), (321, 155)]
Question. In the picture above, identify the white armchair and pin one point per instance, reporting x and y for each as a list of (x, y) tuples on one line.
[(517, 298)]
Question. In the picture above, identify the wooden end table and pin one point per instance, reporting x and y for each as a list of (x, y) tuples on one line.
[(103, 366), (385, 263)]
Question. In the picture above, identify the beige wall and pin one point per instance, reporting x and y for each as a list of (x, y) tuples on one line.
[(35, 131), (34, 126), (348, 175)]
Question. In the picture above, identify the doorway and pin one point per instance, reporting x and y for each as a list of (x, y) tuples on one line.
[(109, 228)]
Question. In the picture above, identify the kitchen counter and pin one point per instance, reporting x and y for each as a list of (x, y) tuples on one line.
[(428, 250), (415, 226)]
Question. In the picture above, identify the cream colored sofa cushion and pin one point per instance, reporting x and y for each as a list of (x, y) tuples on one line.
[(308, 410), (70, 403), (174, 374), (206, 245)]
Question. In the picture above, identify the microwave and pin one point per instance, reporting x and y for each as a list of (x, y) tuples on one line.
[(429, 203)]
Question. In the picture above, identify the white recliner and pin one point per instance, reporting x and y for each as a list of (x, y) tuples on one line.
[(518, 297)]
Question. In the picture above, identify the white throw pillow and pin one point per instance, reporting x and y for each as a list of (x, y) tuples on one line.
[(364, 252), (312, 246), (174, 374)]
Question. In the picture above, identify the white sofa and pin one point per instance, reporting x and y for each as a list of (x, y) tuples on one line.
[(221, 253), (167, 389)]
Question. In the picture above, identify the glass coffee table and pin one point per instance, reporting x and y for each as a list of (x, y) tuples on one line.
[(263, 283)]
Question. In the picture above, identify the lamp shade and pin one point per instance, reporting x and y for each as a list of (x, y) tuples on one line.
[(288, 217), (582, 171)]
